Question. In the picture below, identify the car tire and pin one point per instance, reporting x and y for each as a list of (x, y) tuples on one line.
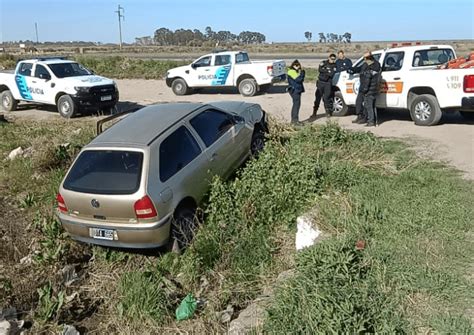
[(257, 143), (425, 110), (339, 106), (9, 103), (66, 106), (184, 224), (179, 87), (248, 87), (468, 116)]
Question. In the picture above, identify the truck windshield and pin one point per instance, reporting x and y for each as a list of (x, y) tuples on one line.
[(432, 57), (63, 70)]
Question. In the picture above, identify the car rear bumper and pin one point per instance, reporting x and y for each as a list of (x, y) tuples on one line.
[(467, 103), (136, 236)]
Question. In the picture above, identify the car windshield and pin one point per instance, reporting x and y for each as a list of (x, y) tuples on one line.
[(62, 70), (105, 172)]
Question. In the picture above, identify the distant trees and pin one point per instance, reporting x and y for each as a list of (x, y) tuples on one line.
[(308, 35), (335, 38), (164, 36)]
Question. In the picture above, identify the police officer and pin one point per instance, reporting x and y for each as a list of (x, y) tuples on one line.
[(370, 75), (342, 63), (295, 77), (327, 69)]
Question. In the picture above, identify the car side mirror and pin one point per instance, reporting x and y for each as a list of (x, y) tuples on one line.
[(194, 66), (45, 76)]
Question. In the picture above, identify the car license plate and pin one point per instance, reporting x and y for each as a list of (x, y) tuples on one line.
[(106, 98), (102, 234)]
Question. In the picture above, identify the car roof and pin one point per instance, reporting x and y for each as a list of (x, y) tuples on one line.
[(142, 127), (48, 61)]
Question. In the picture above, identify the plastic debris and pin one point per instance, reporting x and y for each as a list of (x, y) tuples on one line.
[(306, 235), (187, 308)]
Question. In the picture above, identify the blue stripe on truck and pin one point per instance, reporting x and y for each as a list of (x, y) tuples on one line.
[(221, 75), (22, 87)]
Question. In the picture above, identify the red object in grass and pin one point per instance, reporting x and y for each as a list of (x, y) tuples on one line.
[(360, 245)]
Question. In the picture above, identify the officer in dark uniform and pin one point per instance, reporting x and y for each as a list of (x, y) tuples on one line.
[(342, 63), (370, 76), (327, 69)]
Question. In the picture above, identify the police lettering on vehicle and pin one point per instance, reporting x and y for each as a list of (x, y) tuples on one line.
[(207, 76), (36, 90)]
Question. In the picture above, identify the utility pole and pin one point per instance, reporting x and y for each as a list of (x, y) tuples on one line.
[(36, 29), (120, 11)]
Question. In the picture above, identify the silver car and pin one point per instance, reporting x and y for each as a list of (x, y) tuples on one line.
[(138, 184)]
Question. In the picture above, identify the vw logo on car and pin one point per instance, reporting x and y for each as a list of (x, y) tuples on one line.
[(95, 203)]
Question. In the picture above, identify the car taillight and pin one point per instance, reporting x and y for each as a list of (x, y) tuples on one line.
[(469, 83), (61, 204), (144, 208), (270, 70)]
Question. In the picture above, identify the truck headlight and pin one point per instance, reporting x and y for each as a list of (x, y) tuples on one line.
[(81, 89)]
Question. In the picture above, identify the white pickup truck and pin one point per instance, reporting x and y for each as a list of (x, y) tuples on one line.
[(412, 80), (56, 81), (226, 69)]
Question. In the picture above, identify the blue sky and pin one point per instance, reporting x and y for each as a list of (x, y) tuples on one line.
[(95, 20)]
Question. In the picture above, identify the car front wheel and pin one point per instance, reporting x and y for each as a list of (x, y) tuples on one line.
[(339, 106), (179, 87)]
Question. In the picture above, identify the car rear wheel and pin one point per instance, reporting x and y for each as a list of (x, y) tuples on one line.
[(425, 110), (248, 87), (8, 101), (183, 227), (66, 106), (339, 106), (469, 116), (179, 87)]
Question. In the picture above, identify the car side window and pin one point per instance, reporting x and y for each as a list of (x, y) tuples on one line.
[(211, 124), (393, 61), (41, 70), (222, 60), (205, 61), (361, 61), (177, 151), (25, 69)]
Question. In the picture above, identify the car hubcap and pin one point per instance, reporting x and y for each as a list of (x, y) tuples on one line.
[(248, 89), (179, 87), (257, 145), (6, 101), (65, 107), (337, 106), (422, 111)]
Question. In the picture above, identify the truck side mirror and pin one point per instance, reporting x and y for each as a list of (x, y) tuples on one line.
[(194, 66)]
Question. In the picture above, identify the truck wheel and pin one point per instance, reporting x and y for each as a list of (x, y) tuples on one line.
[(66, 106), (8, 101), (339, 106), (248, 87), (469, 116), (425, 111), (179, 87)]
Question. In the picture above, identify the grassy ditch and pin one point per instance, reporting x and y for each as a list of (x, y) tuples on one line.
[(396, 259)]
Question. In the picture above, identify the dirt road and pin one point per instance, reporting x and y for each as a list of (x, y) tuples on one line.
[(451, 141)]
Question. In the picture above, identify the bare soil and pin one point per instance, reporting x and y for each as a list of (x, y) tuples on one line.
[(451, 141)]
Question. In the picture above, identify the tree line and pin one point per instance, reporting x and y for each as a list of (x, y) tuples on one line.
[(330, 37), (187, 37)]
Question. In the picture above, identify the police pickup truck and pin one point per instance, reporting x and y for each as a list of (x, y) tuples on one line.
[(412, 79), (226, 69), (56, 81)]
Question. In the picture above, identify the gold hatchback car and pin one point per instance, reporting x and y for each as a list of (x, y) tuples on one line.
[(138, 184)]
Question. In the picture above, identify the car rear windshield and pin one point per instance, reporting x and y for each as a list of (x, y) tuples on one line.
[(432, 57), (63, 70), (105, 172), (241, 57)]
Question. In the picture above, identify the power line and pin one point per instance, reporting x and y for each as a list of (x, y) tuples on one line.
[(120, 12)]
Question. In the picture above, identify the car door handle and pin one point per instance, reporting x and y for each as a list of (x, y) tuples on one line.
[(207, 70), (397, 78), (33, 81)]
